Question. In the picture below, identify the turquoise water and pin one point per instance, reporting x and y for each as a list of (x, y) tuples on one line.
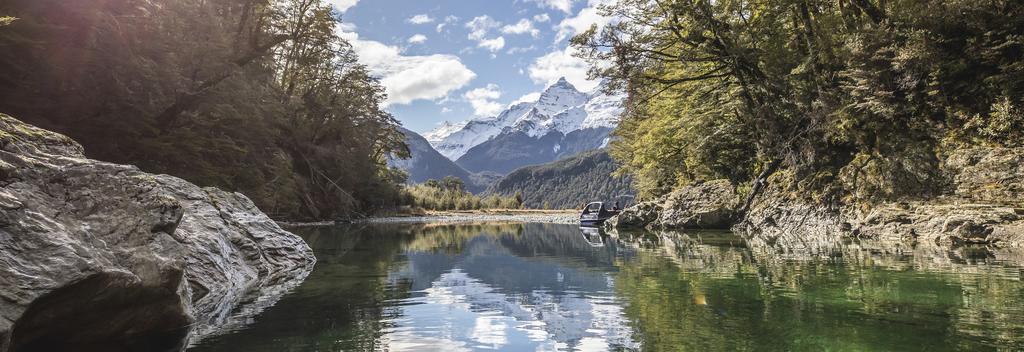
[(541, 287)]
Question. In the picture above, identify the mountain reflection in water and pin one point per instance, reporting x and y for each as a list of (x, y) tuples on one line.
[(538, 287)]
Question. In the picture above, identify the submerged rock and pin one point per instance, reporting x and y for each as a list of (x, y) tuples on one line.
[(702, 205), (101, 256)]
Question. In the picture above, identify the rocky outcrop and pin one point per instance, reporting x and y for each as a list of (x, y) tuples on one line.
[(702, 205), (987, 175), (981, 206), (100, 256)]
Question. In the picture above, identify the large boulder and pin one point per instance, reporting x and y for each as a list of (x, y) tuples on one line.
[(637, 216), (100, 256), (701, 205), (705, 205)]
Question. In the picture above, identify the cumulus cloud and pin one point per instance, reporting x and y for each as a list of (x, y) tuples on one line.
[(420, 19), (484, 99), (479, 27), (541, 18), (521, 27), (549, 68), (417, 39), (492, 44), (342, 5), (409, 78), (561, 5), (587, 17)]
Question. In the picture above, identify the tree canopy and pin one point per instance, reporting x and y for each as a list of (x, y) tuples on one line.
[(258, 96), (859, 98)]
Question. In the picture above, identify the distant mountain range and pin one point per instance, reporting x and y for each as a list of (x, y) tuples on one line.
[(567, 183), (537, 143), (426, 163), (562, 122)]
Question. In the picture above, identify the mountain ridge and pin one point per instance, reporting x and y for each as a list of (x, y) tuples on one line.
[(560, 107), (425, 163), (567, 182)]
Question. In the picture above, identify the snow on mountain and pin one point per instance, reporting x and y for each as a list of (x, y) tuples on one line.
[(445, 130), (561, 107)]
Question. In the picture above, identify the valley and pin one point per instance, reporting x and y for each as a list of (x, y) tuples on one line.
[(563, 127)]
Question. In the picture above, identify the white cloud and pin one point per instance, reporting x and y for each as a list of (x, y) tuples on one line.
[(420, 19), (409, 78), (520, 50), (417, 39), (521, 27), (492, 44), (447, 20), (561, 5), (342, 5), (479, 27), (484, 99), (587, 17), (549, 68), (445, 110), (541, 18)]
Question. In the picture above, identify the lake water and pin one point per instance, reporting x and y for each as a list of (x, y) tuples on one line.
[(543, 287)]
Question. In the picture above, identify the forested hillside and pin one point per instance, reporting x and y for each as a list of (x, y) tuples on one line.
[(859, 100), (425, 163), (567, 183), (257, 96)]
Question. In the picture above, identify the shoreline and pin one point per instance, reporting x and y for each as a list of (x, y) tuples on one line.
[(459, 216)]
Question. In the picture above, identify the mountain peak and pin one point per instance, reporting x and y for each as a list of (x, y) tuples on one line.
[(562, 83), (558, 97)]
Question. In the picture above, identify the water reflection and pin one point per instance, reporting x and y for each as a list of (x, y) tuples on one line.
[(557, 287)]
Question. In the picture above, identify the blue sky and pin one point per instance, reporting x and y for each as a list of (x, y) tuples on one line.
[(458, 59)]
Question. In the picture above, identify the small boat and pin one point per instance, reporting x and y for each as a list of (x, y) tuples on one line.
[(595, 214)]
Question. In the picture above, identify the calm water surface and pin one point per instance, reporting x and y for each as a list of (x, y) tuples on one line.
[(537, 287)]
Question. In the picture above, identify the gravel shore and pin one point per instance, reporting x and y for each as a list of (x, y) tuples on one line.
[(550, 218)]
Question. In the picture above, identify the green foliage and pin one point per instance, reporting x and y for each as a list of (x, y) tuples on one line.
[(261, 97), (859, 98), (450, 194), (567, 183)]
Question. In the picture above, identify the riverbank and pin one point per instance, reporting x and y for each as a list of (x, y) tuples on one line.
[(979, 202), (461, 216)]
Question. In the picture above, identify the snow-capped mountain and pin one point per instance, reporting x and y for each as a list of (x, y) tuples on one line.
[(561, 122)]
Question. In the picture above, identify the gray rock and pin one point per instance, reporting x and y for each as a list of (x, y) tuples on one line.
[(102, 256), (981, 206), (637, 216), (987, 175), (702, 205), (706, 205)]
